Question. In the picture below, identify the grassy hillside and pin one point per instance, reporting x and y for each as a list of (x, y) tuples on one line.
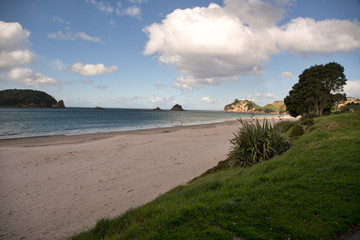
[(312, 191), (276, 106)]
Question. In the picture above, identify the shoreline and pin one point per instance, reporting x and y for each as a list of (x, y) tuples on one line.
[(48, 140), (54, 187), (106, 134)]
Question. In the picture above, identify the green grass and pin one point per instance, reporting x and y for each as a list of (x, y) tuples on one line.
[(310, 192), (276, 106)]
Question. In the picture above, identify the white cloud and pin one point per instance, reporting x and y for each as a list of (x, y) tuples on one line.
[(161, 100), (156, 100), (133, 11), (92, 69), (260, 97), (84, 36), (287, 75), (208, 100), (217, 42), (103, 7), (27, 77), (15, 58), (138, 1), (255, 13), (14, 46), (62, 36), (352, 88), (68, 35), (189, 82), (208, 42), (305, 35)]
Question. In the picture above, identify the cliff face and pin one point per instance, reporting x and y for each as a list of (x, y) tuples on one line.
[(28, 99), (241, 106), (246, 106)]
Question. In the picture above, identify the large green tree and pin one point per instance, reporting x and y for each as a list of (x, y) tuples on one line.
[(316, 89)]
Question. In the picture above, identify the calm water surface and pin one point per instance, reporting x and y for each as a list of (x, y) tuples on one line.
[(28, 122)]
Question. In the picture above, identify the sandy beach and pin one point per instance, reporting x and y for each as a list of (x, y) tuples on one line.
[(54, 187)]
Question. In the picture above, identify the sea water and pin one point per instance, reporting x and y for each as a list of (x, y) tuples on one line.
[(30, 122)]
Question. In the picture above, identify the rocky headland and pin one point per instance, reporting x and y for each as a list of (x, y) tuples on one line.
[(246, 106), (27, 98)]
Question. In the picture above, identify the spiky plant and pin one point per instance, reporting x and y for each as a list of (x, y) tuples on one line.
[(254, 143)]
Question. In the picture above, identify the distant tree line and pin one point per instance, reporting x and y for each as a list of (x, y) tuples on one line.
[(28, 98), (317, 90)]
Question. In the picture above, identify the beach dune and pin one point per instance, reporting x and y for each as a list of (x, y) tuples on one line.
[(54, 187)]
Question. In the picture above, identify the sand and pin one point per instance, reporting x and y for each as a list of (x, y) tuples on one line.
[(54, 187)]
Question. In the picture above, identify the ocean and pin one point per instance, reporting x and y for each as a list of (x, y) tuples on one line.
[(31, 122)]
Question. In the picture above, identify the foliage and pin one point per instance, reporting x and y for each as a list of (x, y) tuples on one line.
[(296, 131), (25, 98), (256, 143), (298, 102), (347, 107), (284, 126), (309, 192), (307, 122), (314, 91), (277, 106)]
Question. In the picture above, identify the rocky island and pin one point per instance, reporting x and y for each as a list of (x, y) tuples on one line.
[(157, 109), (246, 106), (177, 107), (28, 98)]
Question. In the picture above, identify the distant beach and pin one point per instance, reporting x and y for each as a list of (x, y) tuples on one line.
[(53, 187)]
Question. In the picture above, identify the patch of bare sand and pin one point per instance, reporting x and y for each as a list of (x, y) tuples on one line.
[(55, 187)]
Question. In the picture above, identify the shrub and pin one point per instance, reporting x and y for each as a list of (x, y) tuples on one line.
[(254, 143), (296, 131), (284, 126), (307, 122)]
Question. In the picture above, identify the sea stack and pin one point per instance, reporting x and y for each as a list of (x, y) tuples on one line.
[(157, 109), (61, 104), (177, 107)]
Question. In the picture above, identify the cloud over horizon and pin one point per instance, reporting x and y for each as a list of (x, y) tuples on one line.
[(208, 100), (27, 77), (206, 44)]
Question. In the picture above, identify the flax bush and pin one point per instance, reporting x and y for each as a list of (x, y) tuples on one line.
[(254, 143)]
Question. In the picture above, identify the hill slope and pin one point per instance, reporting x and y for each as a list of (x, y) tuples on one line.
[(246, 106), (309, 192), (28, 99)]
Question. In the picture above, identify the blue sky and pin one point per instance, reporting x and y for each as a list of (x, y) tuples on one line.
[(148, 53)]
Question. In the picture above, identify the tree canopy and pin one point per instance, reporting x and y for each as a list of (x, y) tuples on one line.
[(317, 88)]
